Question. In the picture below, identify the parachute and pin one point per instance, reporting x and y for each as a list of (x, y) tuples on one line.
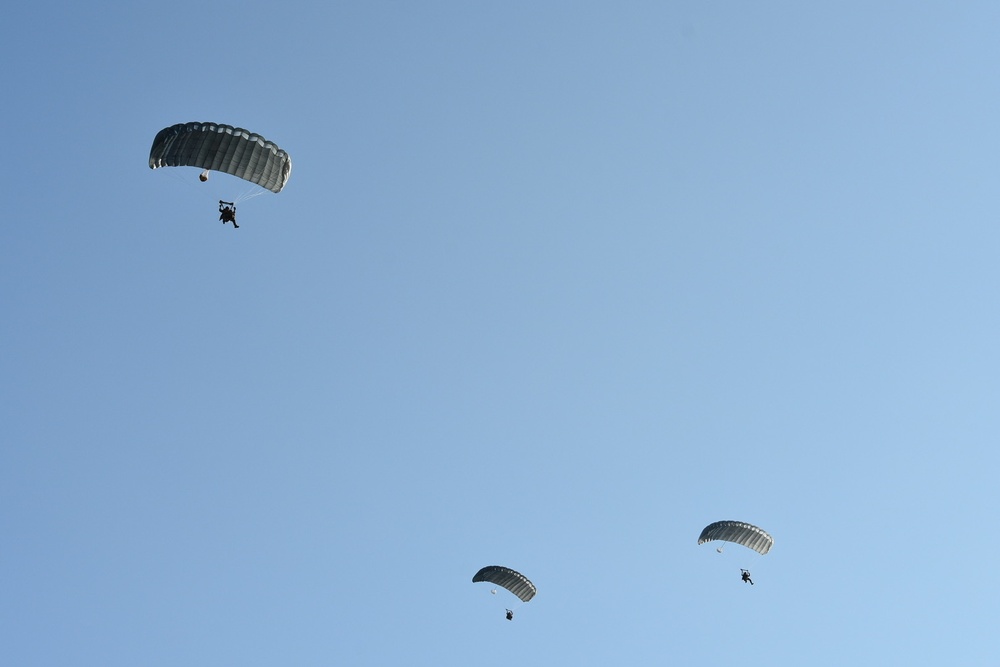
[(215, 147), (739, 532), (515, 582)]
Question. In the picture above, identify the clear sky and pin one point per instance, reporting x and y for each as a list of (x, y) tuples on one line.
[(553, 285)]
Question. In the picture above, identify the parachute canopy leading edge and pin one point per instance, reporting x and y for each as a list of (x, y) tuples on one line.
[(739, 532), (231, 150), (515, 582)]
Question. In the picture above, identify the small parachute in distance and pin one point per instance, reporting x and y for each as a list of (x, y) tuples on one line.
[(738, 532), (217, 147), (513, 581)]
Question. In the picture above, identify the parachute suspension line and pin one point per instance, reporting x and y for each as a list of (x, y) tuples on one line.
[(185, 178), (516, 606), (249, 194), (182, 178)]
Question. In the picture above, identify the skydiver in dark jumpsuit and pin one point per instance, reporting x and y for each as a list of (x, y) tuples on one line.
[(746, 576), (227, 213)]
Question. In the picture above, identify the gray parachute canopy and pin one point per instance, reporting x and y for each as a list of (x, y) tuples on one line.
[(515, 582), (739, 532), (231, 150)]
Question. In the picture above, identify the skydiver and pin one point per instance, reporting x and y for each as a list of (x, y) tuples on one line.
[(227, 213), (746, 576), (510, 615)]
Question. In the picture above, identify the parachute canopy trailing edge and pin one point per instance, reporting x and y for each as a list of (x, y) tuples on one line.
[(231, 150), (515, 582), (739, 532)]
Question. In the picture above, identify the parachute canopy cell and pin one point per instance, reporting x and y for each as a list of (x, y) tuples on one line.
[(738, 532), (515, 582), (231, 150)]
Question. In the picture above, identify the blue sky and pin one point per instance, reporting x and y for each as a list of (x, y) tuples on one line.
[(552, 286)]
